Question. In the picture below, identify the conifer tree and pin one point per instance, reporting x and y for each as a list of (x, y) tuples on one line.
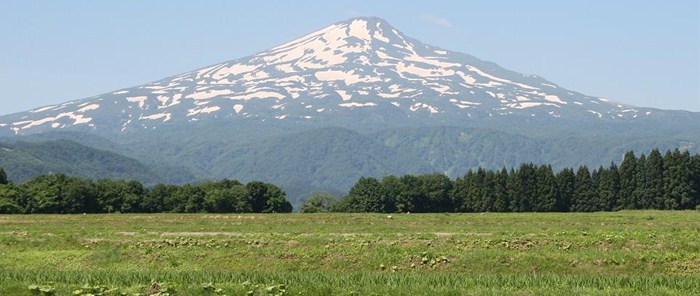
[(3, 177), (695, 168), (608, 188), (639, 195), (546, 190), (486, 200), (583, 191), (514, 190), (471, 191), (566, 180), (654, 186), (628, 182), (458, 192), (500, 192), (678, 183), (594, 203), (524, 186)]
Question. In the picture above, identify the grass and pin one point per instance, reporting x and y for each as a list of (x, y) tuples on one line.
[(622, 253)]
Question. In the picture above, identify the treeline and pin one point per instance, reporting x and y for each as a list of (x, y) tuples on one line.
[(62, 194), (668, 182)]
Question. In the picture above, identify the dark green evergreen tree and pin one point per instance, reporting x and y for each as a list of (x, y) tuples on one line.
[(525, 180), (3, 177), (584, 194), (459, 192), (695, 168), (678, 181), (546, 191), (654, 176), (515, 191), (475, 196), (608, 188), (487, 200), (628, 182), (595, 203), (640, 195), (501, 200), (566, 180)]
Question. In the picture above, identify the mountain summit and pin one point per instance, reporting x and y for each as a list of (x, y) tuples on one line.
[(362, 69)]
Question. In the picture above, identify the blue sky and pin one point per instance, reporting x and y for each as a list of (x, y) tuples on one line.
[(646, 53)]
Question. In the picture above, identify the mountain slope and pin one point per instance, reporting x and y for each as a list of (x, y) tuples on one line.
[(356, 73), (323, 158), (454, 150), (24, 161)]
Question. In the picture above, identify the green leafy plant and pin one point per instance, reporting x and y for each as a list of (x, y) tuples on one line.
[(265, 290), (45, 289)]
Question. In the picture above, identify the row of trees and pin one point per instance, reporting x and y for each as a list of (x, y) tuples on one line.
[(668, 182), (62, 194)]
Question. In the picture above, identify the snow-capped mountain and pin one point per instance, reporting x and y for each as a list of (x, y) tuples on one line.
[(360, 64)]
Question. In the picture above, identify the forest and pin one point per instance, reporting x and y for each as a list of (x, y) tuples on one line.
[(655, 181), (663, 182)]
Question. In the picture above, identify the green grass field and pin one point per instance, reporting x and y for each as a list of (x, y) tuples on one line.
[(623, 253)]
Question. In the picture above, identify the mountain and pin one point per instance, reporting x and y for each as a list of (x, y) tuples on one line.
[(24, 161), (360, 72), (357, 98)]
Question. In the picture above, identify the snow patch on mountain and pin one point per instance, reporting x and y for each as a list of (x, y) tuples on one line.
[(359, 63)]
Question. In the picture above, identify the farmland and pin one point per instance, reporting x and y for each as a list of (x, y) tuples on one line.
[(619, 253)]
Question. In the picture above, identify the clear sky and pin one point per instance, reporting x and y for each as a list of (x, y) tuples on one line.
[(645, 53)]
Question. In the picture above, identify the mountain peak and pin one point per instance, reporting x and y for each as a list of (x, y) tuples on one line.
[(371, 22), (362, 31), (349, 69), (368, 19)]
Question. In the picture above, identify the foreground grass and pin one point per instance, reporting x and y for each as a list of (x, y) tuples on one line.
[(624, 253)]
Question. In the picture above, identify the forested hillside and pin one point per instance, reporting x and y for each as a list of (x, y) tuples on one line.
[(24, 161)]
